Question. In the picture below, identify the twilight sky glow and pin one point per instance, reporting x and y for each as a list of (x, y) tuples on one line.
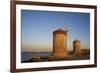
[(38, 26)]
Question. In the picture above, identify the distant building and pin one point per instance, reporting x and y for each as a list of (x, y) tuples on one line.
[(76, 47), (60, 43)]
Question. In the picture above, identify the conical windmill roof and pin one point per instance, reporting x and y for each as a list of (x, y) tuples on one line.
[(76, 40), (60, 31)]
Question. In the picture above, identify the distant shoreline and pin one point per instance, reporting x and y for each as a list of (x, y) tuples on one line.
[(44, 56), (85, 57)]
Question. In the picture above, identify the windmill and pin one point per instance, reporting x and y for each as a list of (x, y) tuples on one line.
[(60, 41), (67, 30)]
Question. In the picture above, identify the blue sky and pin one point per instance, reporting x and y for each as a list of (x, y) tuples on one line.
[(38, 26)]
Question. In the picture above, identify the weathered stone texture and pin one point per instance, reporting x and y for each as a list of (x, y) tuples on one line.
[(60, 43), (77, 47)]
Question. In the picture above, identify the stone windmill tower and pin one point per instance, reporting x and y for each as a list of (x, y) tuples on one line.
[(76, 47), (60, 43)]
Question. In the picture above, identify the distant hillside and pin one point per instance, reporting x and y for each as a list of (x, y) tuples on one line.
[(83, 52)]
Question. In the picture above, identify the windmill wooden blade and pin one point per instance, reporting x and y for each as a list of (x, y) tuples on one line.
[(67, 29), (64, 24)]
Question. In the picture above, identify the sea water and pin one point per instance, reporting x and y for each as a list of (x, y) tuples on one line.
[(28, 55)]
